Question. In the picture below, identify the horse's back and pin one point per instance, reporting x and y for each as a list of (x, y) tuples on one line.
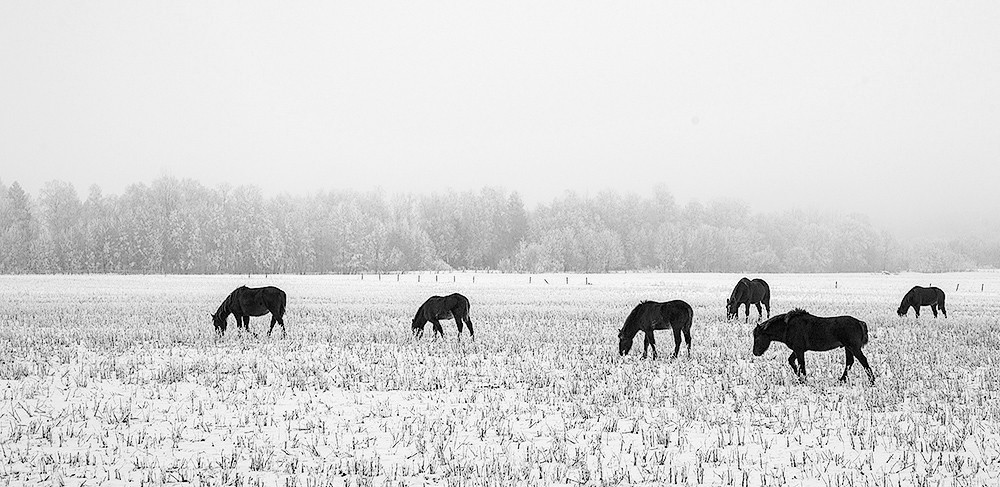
[(763, 289), (446, 307), (257, 301), (923, 296), (679, 311), (829, 332)]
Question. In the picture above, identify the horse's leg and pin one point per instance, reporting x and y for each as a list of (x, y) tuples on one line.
[(943, 311), (687, 338), (767, 305), (645, 345), (791, 361), (246, 324), (847, 364), (468, 324), (864, 363), (273, 321), (800, 355), (437, 328), (652, 341), (934, 309), (677, 340), (760, 312), (281, 321)]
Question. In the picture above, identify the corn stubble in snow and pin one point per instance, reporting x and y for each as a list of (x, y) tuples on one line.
[(119, 380)]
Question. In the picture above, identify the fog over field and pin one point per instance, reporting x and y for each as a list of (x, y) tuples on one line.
[(587, 175), (889, 109)]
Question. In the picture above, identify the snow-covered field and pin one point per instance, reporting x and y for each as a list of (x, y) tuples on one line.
[(119, 380)]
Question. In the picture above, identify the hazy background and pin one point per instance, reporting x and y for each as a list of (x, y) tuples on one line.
[(887, 108)]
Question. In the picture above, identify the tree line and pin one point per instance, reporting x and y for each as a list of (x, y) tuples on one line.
[(180, 226)]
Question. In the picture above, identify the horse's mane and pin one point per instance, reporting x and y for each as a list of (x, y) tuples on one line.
[(744, 282), (795, 312), (632, 317)]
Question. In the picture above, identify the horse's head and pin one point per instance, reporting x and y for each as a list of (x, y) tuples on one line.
[(901, 311), (624, 343), (731, 309), (417, 325), (761, 339), (219, 323)]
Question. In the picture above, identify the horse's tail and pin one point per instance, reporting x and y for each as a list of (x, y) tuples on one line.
[(632, 319), (281, 305), (468, 306), (864, 333), (690, 317), (767, 290)]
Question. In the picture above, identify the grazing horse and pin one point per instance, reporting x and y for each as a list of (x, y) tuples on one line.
[(453, 306), (245, 302), (802, 331), (650, 315), (749, 292), (922, 296)]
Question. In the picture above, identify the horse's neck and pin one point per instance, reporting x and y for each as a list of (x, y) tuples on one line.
[(223, 311), (779, 332)]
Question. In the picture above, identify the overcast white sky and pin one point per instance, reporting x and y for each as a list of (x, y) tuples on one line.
[(879, 107)]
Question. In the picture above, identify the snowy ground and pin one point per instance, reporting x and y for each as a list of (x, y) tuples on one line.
[(118, 380)]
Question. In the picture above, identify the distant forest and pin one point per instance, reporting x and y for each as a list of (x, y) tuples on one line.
[(181, 226)]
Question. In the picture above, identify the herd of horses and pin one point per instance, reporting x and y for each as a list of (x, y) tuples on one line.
[(797, 329)]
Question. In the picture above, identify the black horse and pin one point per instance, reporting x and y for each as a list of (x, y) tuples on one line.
[(749, 292), (245, 302), (923, 296), (453, 306), (802, 331), (650, 315)]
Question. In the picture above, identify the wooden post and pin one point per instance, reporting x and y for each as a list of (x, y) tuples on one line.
[(452, 278), (397, 277), (380, 276), (586, 281), (435, 278), (567, 279), (956, 287), (362, 277), (418, 277), (835, 284), (473, 278), (529, 279)]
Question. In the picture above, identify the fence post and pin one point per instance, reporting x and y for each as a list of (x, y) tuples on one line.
[(956, 287), (529, 279)]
